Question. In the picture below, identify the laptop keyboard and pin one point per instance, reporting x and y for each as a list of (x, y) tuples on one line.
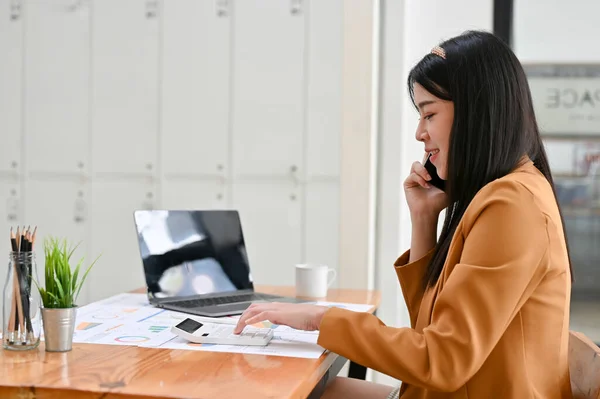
[(194, 303)]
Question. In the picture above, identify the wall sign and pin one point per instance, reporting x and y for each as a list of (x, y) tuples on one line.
[(566, 98)]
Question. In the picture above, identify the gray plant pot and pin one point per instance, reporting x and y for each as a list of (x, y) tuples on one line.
[(58, 328)]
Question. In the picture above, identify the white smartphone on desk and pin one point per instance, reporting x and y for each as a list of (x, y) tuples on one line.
[(218, 333)]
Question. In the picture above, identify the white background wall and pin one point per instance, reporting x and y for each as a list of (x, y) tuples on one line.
[(555, 30)]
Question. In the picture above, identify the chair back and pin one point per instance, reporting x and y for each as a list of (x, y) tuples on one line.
[(584, 366)]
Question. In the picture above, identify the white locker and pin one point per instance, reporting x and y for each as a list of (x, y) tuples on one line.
[(268, 87), (195, 88), (56, 66), (11, 49), (125, 41), (11, 216), (10, 198), (324, 118), (271, 216), (323, 224), (114, 236), (195, 194), (60, 209)]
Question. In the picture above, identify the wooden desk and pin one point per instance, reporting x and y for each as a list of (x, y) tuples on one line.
[(111, 372)]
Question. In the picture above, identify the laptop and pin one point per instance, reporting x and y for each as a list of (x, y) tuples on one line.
[(195, 261)]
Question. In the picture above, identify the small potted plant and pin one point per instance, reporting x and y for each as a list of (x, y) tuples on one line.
[(59, 296)]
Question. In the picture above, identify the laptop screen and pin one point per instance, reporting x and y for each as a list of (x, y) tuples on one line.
[(187, 253)]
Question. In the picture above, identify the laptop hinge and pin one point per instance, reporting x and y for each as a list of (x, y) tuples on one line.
[(192, 297)]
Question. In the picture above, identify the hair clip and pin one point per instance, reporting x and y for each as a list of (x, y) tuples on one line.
[(437, 50)]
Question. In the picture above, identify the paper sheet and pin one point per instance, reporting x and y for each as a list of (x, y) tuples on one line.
[(128, 319)]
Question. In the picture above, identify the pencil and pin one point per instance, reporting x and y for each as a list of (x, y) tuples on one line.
[(13, 303), (27, 241), (13, 240), (18, 238), (29, 266), (22, 243), (18, 288), (20, 314), (33, 237)]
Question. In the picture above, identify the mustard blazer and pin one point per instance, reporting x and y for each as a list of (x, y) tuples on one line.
[(496, 324)]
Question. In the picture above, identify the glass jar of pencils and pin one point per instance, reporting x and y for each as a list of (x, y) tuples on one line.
[(22, 321)]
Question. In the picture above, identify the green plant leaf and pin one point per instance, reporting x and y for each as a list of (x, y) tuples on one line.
[(55, 300), (60, 289), (62, 283), (75, 275), (85, 276), (73, 250)]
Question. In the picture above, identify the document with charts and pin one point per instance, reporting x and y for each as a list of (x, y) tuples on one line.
[(128, 319)]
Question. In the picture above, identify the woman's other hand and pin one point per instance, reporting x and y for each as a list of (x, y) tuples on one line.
[(298, 316)]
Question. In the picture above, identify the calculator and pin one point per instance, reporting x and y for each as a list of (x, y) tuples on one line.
[(215, 333)]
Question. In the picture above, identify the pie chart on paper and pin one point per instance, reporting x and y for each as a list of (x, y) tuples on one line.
[(132, 339)]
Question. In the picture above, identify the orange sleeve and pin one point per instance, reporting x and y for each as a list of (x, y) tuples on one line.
[(410, 276), (502, 261)]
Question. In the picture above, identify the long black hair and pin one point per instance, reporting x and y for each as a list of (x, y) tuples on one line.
[(494, 122)]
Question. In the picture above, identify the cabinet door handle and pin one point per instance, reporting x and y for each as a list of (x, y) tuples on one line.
[(151, 9), (148, 203), (295, 7), (294, 175), (12, 207), (15, 10), (77, 4), (222, 8), (80, 210)]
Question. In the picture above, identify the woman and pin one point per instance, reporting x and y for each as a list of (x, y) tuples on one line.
[(488, 300)]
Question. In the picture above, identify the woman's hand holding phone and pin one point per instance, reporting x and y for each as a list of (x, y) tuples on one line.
[(423, 198), (425, 202)]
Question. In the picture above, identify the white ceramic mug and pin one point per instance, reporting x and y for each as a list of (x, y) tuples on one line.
[(313, 280)]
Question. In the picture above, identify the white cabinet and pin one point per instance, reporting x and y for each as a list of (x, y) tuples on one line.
[(125, 42), (195, 194), (271, 216), (56, 68), (323, 123), (195, 88), (188, 104), (60, 209), (114, 236), (322, 223), (11, 216), (11, 199), (323, 133), (11, 50), (268, 88)]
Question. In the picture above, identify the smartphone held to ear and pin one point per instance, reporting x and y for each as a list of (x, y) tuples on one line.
[(435, 181)]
